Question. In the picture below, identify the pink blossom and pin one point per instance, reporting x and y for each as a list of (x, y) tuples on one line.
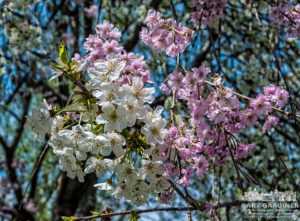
[(243, 150), (283, 14), (185, 180), (184, 153), (112, 47), (201, 73), (108, 31), (270, 122), (164, 87), (200, 165), (173, 131), (146, 77), (166, 196), (165, 35), (91, 11), (208, 207), (175, 79), (171, 170), (207, 11), (261, 105), (277, 95)]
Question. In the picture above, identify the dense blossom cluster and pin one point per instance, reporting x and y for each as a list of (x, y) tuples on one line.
[(106, 44), (107, 136), (207, 11), (105, 139), (272, 96), (285, 15), (215, 118), (110, 129), (165, 35)]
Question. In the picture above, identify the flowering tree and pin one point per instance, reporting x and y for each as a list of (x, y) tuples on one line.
[(180, 109)]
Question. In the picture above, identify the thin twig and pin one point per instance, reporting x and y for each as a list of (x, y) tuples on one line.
[(34, 172)]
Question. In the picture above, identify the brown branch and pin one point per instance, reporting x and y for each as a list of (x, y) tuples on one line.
[(166, 209), (287, 170), (78, 84), (16, 90), (8, 210), (203, 53), (56, 10), (191, 201), (10, 112), (4, 144), (36, 170), (10, 152), (21, 124)]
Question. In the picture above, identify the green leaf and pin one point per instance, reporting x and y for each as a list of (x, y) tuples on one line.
[(57, 66), (62, 53), (134, 216), (95, 213), (68, 218)]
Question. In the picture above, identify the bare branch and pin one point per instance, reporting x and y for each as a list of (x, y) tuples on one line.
[(165, 209)]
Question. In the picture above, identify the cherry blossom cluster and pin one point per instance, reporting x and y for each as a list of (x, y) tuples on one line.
[(165, 35), (105, 44), (272, 96), (285, 15), (207, 11), (114, 136), (110, 129), (215, 117)]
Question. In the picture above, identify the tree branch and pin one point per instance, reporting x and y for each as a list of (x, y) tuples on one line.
[(165, 209), (36, 170)]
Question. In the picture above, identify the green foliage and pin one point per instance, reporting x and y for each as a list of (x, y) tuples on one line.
[(63, 54), (64, 65), (136, 142), (134, 216), (68, 218)]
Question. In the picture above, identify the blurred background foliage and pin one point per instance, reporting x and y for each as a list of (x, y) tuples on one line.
[(242, 46)]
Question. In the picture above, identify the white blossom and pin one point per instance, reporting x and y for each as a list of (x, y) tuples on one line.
[(40, 122), (152, 169), (107, 70), (68, 162), (134, 111), (113, 143), (138, 92), (97, 165), (103, 186), (153, 115), (106, 92), (113, 117), (126, 172), (154, 131), (77, 172), (98, 144)]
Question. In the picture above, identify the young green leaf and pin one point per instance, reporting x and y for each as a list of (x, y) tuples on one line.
[(133, 216), (62, 53)]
